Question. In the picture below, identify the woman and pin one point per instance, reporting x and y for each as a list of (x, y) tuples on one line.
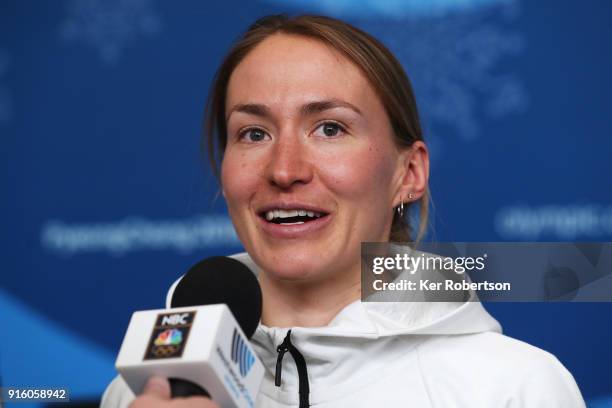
[(321, 149)]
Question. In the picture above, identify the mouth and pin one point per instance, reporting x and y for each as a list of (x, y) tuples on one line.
[(293, 220), (295, 216)]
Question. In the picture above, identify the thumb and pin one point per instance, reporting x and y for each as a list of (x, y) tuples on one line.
[(157, 387)]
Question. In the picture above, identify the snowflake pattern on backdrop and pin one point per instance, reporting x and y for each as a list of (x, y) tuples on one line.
[(454, 61), (109, 25), (6, 102)]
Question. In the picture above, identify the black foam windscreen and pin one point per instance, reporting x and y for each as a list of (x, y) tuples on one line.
[(222, 280)]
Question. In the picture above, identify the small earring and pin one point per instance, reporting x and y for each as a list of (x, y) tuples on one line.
[(400, 209)]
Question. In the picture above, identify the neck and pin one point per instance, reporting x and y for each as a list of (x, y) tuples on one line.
[(306, 304)]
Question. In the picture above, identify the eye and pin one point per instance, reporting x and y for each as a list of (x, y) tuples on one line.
[(330, 129), (253, 135)]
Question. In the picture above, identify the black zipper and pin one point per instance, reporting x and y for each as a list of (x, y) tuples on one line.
[(300, 362)]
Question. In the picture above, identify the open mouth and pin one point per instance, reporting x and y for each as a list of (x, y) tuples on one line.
[(291, 217)]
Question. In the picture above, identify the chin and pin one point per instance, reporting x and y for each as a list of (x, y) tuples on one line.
[(289, 275), (290, 267)]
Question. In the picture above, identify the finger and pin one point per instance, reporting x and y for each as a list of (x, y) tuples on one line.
[(157, 387), (194, 402)]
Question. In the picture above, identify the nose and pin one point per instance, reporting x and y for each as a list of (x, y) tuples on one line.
[(289, 164)]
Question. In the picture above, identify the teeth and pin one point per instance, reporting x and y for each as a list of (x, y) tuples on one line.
[(278, 213), (285, 213)]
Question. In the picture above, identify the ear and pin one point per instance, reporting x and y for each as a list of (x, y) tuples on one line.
[(414, 173)]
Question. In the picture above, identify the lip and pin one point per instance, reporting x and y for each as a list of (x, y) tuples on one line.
[(293, 231), (290, 206)]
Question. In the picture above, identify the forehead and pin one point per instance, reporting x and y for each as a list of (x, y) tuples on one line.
[(288, 70)]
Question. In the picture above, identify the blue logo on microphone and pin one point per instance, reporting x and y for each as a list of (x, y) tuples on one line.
[(241, 354)]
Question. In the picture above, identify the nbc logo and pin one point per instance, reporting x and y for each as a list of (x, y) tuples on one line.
[(241, 354), (169, 337)]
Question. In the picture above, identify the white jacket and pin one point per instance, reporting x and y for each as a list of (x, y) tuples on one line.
[(405, 354)]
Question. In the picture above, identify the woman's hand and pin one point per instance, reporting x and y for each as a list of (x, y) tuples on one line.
[(156, 394)]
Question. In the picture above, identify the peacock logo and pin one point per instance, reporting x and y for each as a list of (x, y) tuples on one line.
[(170, 337), (241, 354)]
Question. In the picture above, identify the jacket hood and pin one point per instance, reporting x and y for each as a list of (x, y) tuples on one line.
[(374, 319)]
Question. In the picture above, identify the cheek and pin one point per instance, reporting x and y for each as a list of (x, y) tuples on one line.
[(363, 175), (238, 182)]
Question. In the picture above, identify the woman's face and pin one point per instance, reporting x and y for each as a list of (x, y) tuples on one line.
[(311, 169)]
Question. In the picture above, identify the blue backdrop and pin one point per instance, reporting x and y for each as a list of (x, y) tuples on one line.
[(106, 200)]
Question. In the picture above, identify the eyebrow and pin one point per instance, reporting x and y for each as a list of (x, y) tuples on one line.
[(305, 110)]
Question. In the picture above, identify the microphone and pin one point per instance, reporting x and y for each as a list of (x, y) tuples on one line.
[(200, 343)]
